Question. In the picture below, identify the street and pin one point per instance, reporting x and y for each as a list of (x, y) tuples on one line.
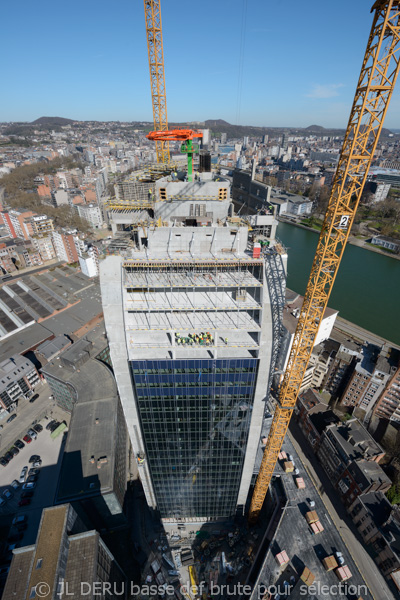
[(367, 567), (32, 270)]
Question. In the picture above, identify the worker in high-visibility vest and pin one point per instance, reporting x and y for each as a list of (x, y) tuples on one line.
[(226, 341)]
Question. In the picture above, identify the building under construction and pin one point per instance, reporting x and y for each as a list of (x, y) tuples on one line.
[(193, 315)]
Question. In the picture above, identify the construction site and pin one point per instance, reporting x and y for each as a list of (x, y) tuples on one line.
[(192, 298)]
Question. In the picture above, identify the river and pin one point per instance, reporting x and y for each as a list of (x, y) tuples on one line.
[(367, 288)]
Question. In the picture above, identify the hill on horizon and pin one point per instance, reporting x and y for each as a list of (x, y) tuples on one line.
[(52, 121)]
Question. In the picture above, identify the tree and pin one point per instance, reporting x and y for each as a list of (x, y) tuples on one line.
[(384, 208), (393, 494)]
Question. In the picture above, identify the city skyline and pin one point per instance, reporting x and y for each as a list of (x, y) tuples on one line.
[(295, 68)]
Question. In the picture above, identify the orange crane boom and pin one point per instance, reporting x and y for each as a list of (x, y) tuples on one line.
[(374, 89), (152, 11)]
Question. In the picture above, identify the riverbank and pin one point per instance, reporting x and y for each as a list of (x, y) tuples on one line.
[(344, 329), (354, 241), (366, 289)]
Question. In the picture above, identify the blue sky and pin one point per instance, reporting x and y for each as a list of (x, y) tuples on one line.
[(88, 60)]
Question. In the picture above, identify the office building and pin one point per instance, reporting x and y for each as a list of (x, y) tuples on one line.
[(193, 315)]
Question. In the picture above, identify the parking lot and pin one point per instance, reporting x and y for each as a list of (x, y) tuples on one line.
[(50, 451), (27, 414)]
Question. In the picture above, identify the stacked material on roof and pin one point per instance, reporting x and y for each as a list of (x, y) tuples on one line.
[(288, 466), (282, 558), (300, 483), (307, 576), (330, 563), (343, 573), (282, 455), (311, 516), (316, 527)]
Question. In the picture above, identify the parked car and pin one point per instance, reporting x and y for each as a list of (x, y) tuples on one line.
[(38, 463), (14, 451), (34, 471), (50, 424), (32, 479), (19, 444), (38, 428), (2, 502), (32, 434), (20, 518), (29, 486), (3, 461), (24, 502), (34, 458), (27, 494), (54, 426), (27, 439), (15, 484), (23, 475), (7, 494), (9, 456), (10, 419), (34, 397), (21, 526)]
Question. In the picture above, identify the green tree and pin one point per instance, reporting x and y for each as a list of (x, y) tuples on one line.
[(393, 494)]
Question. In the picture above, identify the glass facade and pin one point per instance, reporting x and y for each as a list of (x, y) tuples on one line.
[(195, 417), (64, 393)]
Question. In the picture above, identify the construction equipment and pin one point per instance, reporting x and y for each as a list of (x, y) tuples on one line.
[(152, 11), (183, 135), (375, 87)]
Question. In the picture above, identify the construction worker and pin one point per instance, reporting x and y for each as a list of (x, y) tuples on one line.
[(226, 341)]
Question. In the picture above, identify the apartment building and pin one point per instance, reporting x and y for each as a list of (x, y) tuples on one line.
[(14, 222), (313, 416), (64, 245), (350, 456), (91, 213), (378, 523), (368, 379), (44, 245), (388, 406), (37, 225), (18, 377)]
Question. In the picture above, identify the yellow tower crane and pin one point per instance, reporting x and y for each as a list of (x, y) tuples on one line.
[(375, 87), (152, 11)]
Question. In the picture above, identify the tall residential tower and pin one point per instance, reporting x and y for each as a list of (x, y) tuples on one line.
[(193, 316)]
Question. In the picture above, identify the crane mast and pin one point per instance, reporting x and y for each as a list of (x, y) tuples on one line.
[(374, 89), (152, 11)]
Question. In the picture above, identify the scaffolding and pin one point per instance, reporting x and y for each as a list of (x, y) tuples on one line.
[(137, 190), (177, 299), (276, 281)]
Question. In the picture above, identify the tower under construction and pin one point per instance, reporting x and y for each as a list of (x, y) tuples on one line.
[(193, 316)]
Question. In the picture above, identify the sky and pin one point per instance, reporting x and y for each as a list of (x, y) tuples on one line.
[(249, 62)]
